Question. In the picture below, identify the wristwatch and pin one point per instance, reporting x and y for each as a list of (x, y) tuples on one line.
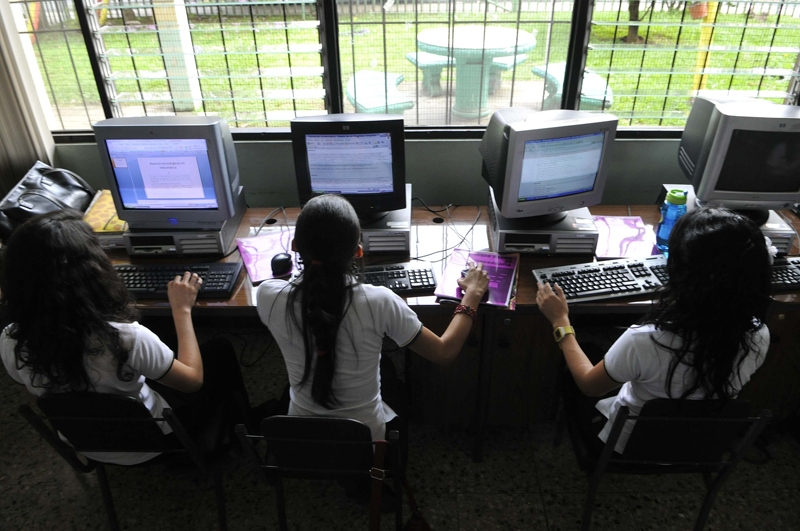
[(561, 332)]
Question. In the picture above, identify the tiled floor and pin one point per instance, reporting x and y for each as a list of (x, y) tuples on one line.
[(524, 483)]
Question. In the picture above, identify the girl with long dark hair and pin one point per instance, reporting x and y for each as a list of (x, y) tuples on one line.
[(704, 339), (73, 329), (331, 328)]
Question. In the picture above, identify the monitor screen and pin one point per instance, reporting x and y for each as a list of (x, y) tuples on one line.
[(743, 155), (170, 172), (556, 167), (162, 174), (350, 164), (358, 156), (541, 165)]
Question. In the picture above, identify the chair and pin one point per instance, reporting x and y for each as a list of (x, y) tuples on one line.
[(376, 92), (102, 422), (432, 66), (314, 448), (596, 94), (679, 436)]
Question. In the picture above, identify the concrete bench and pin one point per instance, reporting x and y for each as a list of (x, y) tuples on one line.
[(432, 65), (596, 94), (377, 93)]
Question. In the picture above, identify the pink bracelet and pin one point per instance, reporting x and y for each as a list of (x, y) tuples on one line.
[(463, 308)]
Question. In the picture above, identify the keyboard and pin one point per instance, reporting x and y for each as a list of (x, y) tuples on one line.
[(634, 276), (149, 281), (406, 278)]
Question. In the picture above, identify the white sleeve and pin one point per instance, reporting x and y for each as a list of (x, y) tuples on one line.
[(400, 322), (149, 355), (621, 361), (9, 357)]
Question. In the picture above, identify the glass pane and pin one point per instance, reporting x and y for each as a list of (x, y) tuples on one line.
[(451, 63), (56, 54), (677, 50)]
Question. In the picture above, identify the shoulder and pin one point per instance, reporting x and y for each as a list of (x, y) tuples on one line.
[(272, 288)]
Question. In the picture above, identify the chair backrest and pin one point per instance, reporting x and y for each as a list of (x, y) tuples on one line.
[(98, 422), (317, 446), (688, 431)]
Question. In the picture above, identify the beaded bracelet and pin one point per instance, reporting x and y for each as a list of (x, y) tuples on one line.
[(463, 308)]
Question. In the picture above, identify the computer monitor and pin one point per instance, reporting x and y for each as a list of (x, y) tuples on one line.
[(540, 165), (358, 156), (170, 172), (743, 155)]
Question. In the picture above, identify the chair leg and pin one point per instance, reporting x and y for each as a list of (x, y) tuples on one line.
[(219, 494), (280, 500), (107, 500)]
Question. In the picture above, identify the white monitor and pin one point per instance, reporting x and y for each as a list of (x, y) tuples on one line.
[(543, 164)]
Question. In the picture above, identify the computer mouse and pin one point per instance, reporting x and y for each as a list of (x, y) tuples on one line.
[(281, 265)]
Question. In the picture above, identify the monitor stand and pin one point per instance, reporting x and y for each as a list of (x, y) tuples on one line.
[(217, 242), (390, 233), (574, 234)]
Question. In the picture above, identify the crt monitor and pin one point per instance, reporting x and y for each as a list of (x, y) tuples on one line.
[(170, 172), (358, 156), (540, 165), (744, 155)]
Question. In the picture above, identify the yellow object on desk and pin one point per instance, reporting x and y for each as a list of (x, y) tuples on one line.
[(102, 214)]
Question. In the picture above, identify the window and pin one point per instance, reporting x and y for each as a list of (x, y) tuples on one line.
[(441, 63)]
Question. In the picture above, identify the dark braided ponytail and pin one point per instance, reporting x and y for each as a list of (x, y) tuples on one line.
[(327, 235)]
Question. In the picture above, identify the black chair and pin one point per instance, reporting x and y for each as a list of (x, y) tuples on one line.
[(101, 422), (317, 448), (678, 436)]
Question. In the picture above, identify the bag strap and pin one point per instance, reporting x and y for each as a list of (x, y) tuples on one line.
[(377, 473), (416, 514), (72, 174), (47, 195)]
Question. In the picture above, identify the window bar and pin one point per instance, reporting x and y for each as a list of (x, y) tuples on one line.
[(739, 53), (133, 57), (672, 66), (416, 70), (80, 11), (203, 104), (166, 72), (451, 24), (258, 64), (63, 14), (287, 38), (329, 39), (514, 70), (547, 50), (385, 65), (578, 42), (771, 45), (228, 65), (484, 73), (614, 49), (636, 98)]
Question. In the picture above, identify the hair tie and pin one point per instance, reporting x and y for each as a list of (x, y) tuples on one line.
[(321, 352)]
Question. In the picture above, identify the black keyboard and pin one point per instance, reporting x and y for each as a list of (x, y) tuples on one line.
[(635, 276), (405, 278), (149, 281)]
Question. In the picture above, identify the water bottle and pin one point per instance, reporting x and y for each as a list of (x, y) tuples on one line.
[(674, 206)]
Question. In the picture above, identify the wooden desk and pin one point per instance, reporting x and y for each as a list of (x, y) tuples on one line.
[(507, 371)]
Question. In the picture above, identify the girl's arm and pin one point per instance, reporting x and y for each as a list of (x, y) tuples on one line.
[(186, 373), (443, 350), (592, 380)]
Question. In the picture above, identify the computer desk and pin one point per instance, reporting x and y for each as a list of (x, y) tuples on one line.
[(508, 371)]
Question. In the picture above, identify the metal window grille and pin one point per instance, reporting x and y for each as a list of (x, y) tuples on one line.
[(260, 63)]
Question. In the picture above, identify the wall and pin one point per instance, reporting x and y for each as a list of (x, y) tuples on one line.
[(442, 171)]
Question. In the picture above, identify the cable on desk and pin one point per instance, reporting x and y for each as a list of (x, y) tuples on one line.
[(429, 209), (269, 216), (447, 249)]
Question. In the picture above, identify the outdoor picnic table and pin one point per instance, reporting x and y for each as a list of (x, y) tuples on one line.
[(474, 48)]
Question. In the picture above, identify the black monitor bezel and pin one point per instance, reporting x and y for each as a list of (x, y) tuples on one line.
[(339, 124)]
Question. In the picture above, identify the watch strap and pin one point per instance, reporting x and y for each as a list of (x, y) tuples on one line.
[(561, 332)]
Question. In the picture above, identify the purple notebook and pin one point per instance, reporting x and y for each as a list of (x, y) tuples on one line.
[(624, 237), (502, 270), (257, 251)]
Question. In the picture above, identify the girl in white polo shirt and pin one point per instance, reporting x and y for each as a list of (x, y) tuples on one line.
[(705, 338)]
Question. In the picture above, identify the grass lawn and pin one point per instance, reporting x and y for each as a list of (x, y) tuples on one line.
[(240, 77)]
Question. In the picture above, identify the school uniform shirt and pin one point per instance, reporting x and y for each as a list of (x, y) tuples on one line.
[(374, 312), (148, 357), (643, 366)]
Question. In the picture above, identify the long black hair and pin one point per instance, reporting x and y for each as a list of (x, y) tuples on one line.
[(716, 297), (327, 235), (60, 291)]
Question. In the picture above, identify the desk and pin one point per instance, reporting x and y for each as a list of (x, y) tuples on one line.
[(474, 48), (506, 373)]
